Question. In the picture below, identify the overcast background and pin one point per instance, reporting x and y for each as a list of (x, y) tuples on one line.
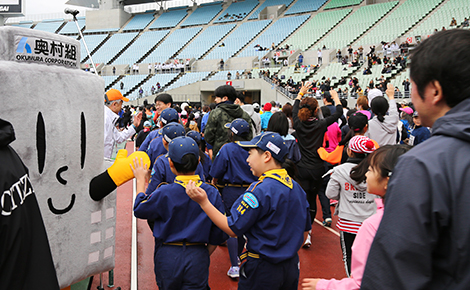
[(45, 6)]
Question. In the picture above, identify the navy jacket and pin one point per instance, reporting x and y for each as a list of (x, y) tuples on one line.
[(423, 241)]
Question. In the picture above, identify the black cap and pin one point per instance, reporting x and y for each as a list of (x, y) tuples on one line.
[(357, 121)]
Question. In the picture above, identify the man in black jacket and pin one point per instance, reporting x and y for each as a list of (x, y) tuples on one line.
[(423, 241), (25, 258)]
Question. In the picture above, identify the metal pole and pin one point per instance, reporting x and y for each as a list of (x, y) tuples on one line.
[(111, 278), (84, 43)]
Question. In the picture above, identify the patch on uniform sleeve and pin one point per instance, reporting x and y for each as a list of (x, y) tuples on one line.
[(251, 200)]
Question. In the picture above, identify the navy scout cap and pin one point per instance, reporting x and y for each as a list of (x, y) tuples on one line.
[(171, 131), (195, 135), (238, 126), (169, 115), (268, 141), (181, 146)]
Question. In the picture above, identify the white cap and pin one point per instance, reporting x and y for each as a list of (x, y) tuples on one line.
[(374, 93)]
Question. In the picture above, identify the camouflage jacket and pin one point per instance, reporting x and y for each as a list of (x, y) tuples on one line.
[(215, 133)]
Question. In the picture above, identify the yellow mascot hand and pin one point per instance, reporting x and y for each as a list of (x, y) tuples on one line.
[(120, 172)]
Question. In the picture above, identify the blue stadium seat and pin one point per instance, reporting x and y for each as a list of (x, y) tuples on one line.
[(237, 11), (92, 41), (205, 41), (112, 47), (169, 19), (302, 6), (71, 27), (276, 33), (139, 22), (202, 15), (268, 3), (141, 46), (51, 25), (174, 42), (237, 39)]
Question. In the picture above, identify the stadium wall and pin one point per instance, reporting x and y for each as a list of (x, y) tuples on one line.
[(106, 19)]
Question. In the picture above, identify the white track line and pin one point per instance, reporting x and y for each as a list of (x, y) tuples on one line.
[(134, 240), (328, 228)]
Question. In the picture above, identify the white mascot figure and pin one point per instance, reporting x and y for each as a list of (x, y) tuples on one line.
[(56, 111)]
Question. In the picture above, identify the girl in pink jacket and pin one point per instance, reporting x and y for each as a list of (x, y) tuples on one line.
[(382, 162)]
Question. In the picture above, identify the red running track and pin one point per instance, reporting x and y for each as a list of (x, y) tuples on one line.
[(322, 260)]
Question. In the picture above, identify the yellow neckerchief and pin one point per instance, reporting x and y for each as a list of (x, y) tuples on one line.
[(184, 179), (279, 175)]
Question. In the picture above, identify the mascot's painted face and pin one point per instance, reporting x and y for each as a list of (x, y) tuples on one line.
[(41, 146), (59, 137)]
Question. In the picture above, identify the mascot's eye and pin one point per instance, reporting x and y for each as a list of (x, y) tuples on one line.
[(82, 140), (41, 142)]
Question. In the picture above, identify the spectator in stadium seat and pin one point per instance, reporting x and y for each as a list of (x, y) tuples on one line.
[(424, 234), (453, 22), (300, 58), (465, 22), (406, 87)]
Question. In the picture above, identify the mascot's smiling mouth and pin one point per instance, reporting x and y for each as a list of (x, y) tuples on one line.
[(52, 208)]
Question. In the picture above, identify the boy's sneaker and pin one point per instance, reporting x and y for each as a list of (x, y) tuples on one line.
[(308, 241), (327, 222), (234, 272)]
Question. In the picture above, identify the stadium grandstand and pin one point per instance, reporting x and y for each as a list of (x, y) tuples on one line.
[(190, 49)]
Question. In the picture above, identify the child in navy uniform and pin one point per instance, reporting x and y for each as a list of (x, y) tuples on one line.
[(161, 171), (205, 159), (184, 236), (231, 173), (419, 133), (153, 143), (273, 214)]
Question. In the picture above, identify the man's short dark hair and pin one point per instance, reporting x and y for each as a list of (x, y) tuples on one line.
[(164, 98), (328, 97), (226, 91), (241, 97), (444, 57)]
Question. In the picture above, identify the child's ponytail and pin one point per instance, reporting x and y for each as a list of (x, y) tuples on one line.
[(380, 117), (358, 173)]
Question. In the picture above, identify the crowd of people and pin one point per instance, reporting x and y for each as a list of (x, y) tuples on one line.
[(170, 66), (268, 164)]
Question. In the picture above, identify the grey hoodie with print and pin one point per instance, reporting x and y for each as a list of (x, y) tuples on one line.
[(354, 202)]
